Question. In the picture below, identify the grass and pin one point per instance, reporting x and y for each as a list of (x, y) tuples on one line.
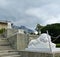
[(58, 45)]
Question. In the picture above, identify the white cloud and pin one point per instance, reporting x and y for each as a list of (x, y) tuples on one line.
[(4, 3)]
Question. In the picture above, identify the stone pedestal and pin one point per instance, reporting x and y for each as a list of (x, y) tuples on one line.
[(43, 41), (39, 54), (35, 54), (9, 25)]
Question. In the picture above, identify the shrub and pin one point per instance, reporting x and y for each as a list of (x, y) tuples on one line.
[(2, 30), (58, 45)]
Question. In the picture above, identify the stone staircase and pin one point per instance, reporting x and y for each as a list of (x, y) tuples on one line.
[(6, 50)]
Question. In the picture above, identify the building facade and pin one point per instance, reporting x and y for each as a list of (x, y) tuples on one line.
[(5, 24)]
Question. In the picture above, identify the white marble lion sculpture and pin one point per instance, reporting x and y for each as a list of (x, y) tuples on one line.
[(44, 41)]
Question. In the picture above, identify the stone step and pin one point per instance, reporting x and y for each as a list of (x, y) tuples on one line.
[(12, 53), (11, 56), (8, 53), (5, 48), (1, 51), (4, 43), (3, 38)]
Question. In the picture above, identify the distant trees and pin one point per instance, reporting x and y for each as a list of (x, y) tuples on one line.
[(53, 29)]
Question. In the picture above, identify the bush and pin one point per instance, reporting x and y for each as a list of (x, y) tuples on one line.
[(58, 45), (2, 30)]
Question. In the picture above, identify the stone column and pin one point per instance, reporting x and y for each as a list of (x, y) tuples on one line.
[(9, 25), (20, 31), (22, 41)]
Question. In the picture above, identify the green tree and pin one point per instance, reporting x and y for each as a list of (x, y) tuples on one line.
[(53, 29)]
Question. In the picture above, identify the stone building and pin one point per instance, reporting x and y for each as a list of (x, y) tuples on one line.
[(5, 24)]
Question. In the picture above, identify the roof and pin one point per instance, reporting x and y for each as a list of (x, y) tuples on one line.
[(4, 21)]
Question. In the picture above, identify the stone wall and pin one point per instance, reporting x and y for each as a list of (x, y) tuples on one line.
[(39, 54), (19, 41), (13, 41), (11, 32), (22, 41), (57, 54), (3, 25), (36, 54), (31, 37)]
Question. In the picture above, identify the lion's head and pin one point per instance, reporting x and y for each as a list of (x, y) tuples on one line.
[(45, 37)]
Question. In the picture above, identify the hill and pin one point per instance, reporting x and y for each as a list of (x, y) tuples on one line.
[(27, 30)]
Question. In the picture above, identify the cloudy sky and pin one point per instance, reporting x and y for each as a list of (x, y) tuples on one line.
[(30, 12)]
